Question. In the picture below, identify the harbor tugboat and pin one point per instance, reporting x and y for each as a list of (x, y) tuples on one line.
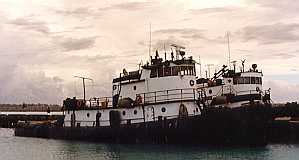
[(164, 102)]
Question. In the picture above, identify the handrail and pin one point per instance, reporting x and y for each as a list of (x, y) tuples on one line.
[(148, 97), (232, 90), (168, 95)]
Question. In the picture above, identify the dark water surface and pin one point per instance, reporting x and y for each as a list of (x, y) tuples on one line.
[(19, 148)]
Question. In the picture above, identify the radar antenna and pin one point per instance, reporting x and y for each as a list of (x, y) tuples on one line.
[(243, 62), (178, 50)]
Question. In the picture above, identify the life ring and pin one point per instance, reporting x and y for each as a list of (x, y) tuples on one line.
[(257, 89), (167, 63), (138, 99), (191, 82), (79, 103)]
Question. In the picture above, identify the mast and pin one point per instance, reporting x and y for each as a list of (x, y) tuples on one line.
[(200, 67), (209, 69), (228, 47), (150, 42)]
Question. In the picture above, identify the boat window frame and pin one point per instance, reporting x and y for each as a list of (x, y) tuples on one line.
[(166, 71), (247, 80)]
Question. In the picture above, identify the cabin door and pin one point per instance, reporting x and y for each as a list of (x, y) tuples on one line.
[(98, 115), (150, 114), (73, 119)]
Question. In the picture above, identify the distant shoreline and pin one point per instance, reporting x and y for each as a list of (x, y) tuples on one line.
[(29, 107)]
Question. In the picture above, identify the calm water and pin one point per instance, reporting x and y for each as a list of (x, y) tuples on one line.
[(19, 148)]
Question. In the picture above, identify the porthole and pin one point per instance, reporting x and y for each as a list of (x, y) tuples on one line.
[(210, 91), (163, 109), (124, 113), (114, 87), (87, 114), (135, 111), (191, 82), (99, 114), (134, 87)]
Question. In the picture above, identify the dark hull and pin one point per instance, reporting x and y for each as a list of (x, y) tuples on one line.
[(216, 126)]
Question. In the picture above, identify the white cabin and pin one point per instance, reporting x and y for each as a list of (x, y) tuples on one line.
[(165, 90), (160, 90)]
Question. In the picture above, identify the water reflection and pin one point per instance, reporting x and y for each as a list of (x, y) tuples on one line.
[(34, 148), (79, 150)]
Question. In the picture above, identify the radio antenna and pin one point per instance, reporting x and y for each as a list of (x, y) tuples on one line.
[(150, 41), (228, 48), (209, 69), (165, 52), (83, 81), (199, 66)]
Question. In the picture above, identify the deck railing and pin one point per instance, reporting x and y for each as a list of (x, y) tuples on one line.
[(148, 98), (231, 90), (102, 102), (167, 96)]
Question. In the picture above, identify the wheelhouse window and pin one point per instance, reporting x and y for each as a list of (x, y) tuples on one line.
[(239, 80), (160, 72), (175, 70), (187, 70), (253, 80), (153, 73), (164, 71), (167, 71), (258, 80), (247, 80)]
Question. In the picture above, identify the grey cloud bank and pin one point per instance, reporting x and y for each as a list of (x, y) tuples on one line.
[(271, 34)]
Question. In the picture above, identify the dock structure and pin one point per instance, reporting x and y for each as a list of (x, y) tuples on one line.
[(285, 110), (11, 119), (285, 124), (11, 115)]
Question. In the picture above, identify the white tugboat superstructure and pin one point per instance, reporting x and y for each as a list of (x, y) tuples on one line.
[(158, 90), (165, 101)]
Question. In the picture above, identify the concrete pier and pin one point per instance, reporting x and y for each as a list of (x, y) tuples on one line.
[(11, 114)]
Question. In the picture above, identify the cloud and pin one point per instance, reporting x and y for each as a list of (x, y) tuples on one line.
[(282, 91), (270, 34), (283, 55), (129, 6), (41, 41), (180, 31), (31, 24), (18, 86), (71, 44), (81, 11), (186, 33), (286, 5), (215, 10), (161, 43)]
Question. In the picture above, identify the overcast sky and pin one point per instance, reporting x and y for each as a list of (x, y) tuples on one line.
[(44, 44)]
